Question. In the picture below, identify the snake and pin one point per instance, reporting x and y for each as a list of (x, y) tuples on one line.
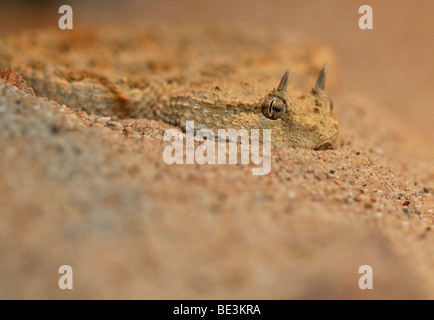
[(218, 79)]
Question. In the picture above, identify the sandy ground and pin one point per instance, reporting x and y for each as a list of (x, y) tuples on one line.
[(131, 227)]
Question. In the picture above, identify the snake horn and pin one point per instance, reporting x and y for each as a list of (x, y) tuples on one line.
[(284, 82), (321, 79)]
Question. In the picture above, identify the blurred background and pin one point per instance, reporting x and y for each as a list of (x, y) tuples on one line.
[(391, 64)]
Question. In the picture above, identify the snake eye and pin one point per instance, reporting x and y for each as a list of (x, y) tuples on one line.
[(274, 109)]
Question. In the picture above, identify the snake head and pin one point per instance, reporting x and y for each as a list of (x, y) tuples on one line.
[(306, 121)]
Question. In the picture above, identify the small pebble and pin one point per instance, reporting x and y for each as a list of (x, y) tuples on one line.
[(368, 205), (54, 129)]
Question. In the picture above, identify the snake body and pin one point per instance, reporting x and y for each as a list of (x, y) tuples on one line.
[(183, 81)]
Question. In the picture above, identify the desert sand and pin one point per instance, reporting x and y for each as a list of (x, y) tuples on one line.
[(77, 189)]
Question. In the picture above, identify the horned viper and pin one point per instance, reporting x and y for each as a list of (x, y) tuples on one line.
[(218, 79)]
